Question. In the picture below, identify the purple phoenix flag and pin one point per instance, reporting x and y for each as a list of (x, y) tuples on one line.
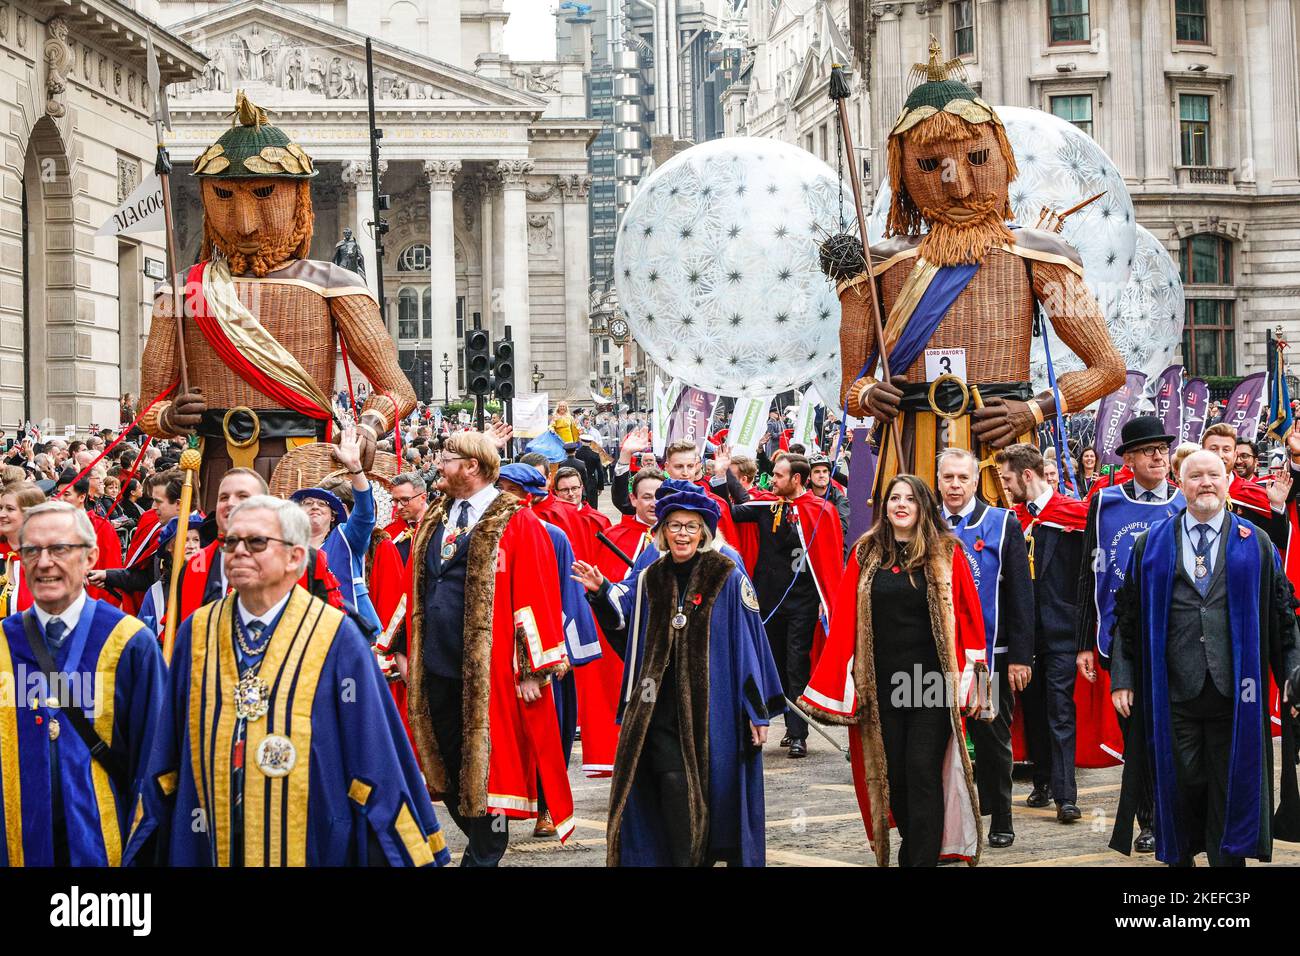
[(691, 416), (1245, 405), (1195, 401), (1113, 413), (1168, 399)]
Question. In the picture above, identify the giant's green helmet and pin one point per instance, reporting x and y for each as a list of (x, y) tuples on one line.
[(252, 147)]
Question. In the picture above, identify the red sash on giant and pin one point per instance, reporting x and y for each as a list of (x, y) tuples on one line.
[(264, 380)]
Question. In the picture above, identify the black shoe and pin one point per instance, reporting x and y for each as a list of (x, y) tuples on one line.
[(785, 741), (1039, 797), (1067, 813), (1146, 841), (999, 841), (798, 748)]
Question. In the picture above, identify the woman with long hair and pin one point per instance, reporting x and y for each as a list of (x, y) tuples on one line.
[(905, 659), (1085, 470), (14, 500), (562, 423)]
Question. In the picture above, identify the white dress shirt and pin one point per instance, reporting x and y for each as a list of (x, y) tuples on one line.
[(248, 616), (478, 505), (70, 615), (965, 512), (1041, 501), (1190, 538), (1161, 490)]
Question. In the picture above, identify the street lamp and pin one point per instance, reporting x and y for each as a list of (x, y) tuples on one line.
[(538, 375), (445, 365)]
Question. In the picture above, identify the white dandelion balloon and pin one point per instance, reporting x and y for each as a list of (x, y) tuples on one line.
[(717, 266)]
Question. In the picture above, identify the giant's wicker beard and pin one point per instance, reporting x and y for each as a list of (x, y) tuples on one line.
[(950, 242), (295, 245)]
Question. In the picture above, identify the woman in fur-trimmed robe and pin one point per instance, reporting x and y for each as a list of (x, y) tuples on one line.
[(899, 668), (699, 688)]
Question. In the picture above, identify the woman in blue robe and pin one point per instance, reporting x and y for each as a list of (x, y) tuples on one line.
[(699, 688)]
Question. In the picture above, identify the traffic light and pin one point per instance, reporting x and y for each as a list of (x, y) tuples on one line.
[(503, 370), (478, 362), (426, 379)]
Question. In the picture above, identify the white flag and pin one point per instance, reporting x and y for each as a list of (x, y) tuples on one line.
[(805, 423), (748, 424), (665, 402), (142, 211), (531, 419)]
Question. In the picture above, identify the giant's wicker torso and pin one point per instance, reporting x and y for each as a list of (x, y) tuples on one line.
[(992, 319)]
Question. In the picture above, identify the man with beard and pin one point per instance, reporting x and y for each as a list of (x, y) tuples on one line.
[(960, 291), (262, 320)]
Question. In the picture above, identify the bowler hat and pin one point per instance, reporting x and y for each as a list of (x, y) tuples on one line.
[(1142, 430)]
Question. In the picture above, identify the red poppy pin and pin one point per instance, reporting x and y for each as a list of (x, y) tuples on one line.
[(697, 599), (1243, 531), (896, 569), (979, 544)]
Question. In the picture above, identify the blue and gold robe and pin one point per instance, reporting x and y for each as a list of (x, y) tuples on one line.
[(329, 777), (116, 675)]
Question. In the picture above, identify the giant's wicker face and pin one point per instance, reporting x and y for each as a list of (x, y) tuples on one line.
[(957, 181), (257, 223)]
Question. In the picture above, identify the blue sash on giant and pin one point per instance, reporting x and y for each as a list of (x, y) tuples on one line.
[(983, 546), (1120, 520), (942, 292), (1242, 813)]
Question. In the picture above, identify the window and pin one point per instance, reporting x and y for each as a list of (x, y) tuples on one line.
[(408, 314), (414, 258), (426, 309), (825, 137), (1194, 128), (1206, 260), (963, 27), (604, 346), (1191, 24), (1075, 108), (1208, 334), (1067, 21)]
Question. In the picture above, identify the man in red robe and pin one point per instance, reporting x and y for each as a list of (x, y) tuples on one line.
[(110, 548), (486, 639)]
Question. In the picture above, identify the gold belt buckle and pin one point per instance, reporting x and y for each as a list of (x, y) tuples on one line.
[(242, 453), (965, 396)]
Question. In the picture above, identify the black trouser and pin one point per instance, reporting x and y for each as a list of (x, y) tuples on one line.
[(1050, 723), (662, 775), (790, 632), (916, 739), (1146, 801), (488, 835), (1202, 738), (993, 760)]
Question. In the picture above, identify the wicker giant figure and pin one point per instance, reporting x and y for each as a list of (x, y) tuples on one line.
[(263, 322), (959, 299)]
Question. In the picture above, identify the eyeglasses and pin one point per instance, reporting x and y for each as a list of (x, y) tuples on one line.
[(1247, 456), (1153, 451), (255, 543), (684, 527), (59, 552), (443, 459), (407, 501)]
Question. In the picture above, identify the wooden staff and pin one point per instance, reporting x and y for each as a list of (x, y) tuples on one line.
[(190, 462), (839, 92)]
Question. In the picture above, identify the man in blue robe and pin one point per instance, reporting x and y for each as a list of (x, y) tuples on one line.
[(699, 689), (279, 744), (1204, 614), (66, 799)]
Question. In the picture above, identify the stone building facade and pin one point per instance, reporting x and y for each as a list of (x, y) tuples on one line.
[(484, 160), (77, 139)]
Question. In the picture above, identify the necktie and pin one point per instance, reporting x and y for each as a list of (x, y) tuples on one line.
[(1033, 508), (1148, 496), (954, 520), (1201, 549), (55, 632), (252, 634), (462, 515)]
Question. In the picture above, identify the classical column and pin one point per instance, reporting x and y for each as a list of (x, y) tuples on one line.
[(442, 258), (514, 258), (1124, 118), (357, 173), (577, 266), (489, 187), (1281, 29), (1159, 123)]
